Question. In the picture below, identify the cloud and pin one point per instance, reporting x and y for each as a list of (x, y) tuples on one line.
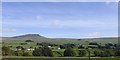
[(7, 30), (107, 2), (86, 23), (38, 17), (41, 22), (98, 34), (61, 23), (112, 4), (93, 34)]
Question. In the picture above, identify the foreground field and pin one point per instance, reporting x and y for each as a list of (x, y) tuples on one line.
[(60, 59)]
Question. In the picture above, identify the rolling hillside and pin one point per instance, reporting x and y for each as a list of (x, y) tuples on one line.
[(39, 38)]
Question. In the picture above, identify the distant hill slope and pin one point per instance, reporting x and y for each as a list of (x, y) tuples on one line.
[(34, 37), (39, 38)]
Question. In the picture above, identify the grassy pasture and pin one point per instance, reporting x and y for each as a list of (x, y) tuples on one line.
[(103, 41), (38, 58)]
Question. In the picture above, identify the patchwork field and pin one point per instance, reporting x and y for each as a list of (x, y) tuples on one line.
[(17, 40), (18, 48)]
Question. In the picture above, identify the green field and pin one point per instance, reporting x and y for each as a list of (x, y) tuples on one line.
[(103, 41), (22, 38), (55, 43), (60, 58)]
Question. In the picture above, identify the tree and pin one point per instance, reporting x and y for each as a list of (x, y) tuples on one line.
[(117, 53), (47, 51), (93, 43), (19, 47), (106, 53), (31, 47), (89, 52), (26, 54), (82, 53), (81, 47), (6, 51), (43, 51), (62, 47), (69, 52), (37, 52), (23, 43), (19, 53), (29, 41), (96, 53)]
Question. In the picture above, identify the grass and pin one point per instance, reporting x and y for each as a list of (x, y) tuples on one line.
[(63, 41), (57, 58), (15, 43)]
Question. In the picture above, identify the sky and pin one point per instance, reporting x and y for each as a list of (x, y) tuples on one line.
[(60, 19), (59, 0)]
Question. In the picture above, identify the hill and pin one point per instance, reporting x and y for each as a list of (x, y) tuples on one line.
[(39, 38)]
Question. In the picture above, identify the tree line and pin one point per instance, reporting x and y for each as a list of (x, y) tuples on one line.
[(68, 52)]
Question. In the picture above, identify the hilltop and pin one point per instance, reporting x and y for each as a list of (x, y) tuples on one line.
[(40, 38)]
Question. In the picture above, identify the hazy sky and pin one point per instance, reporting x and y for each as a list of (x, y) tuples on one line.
[(60, 0), (60, 19)]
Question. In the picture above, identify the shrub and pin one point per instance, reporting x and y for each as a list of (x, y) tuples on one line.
[(47, 51), (44, 51), (19, 53), (69, 52), (37, 52), (26, 54), (82, 53), (7, 51), (117, 53)]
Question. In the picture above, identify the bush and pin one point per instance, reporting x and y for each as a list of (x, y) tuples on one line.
[(81, 47), (44, 51), (37, 52), (69, 52), (97, 53), (26, 54), (47, 51), (104, 53), (117, 53), (7, 51), (82, 53), (19, 53), (23, 43)]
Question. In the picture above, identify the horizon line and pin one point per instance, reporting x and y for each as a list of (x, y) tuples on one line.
[(61, 37)]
